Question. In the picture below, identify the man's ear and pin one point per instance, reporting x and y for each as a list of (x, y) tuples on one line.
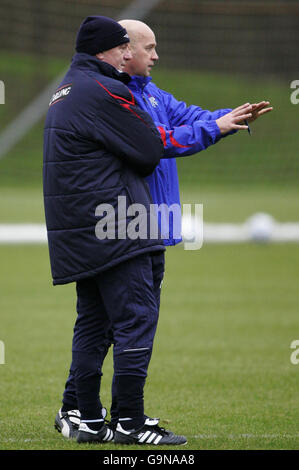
[(100, 55)]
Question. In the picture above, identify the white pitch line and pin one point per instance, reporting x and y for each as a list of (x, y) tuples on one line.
[(23, 233), (212, 233)]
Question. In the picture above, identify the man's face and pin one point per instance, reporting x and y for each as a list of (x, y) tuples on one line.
[(118, 56), (144, 55)]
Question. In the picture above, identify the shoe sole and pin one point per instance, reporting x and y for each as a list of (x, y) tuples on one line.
[(126, 440)]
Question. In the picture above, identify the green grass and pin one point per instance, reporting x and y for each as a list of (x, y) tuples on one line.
[(21, 205), (220, 203), (220, 371)]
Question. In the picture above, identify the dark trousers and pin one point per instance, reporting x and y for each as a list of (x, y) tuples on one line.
[(119, 306)]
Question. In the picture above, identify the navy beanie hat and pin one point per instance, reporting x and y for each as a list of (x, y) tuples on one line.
[(98, 34)]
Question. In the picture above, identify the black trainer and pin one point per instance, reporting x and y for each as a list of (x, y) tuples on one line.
[(67, 423), (149, 433), (85, 434)]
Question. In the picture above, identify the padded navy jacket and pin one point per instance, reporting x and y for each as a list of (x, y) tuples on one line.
[(98, 148)]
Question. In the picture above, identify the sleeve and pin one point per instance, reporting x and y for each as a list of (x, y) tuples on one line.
[(191, 128), (129, 133), (181, 114), (187, 140)]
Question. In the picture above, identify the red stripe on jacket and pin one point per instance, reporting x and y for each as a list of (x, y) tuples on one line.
[(116, 96), (126, 103), (163, 135), (175, 143)]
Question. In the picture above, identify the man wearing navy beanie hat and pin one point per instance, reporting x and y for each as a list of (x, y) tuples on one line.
[(98, 34), (98, 148)]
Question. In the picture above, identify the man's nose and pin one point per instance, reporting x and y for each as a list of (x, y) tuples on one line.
[(155, 55)]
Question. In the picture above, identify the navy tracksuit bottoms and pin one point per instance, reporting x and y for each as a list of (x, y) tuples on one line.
[(119, 306)]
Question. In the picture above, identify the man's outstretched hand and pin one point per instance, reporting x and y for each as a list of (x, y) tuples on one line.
[(249, 112), (258, 109)]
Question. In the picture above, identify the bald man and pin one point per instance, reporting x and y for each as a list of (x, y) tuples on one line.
[(184, 131)]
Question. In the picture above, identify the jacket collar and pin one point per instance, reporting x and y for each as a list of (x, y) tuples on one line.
[(138, 83), (88, 62)]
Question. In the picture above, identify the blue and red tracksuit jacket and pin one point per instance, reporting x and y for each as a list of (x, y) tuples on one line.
[(185, 130)]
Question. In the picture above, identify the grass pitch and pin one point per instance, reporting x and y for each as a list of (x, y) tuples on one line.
[(220, 372)]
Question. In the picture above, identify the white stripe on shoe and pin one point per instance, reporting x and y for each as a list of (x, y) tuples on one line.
[(108, 436), (65, 430), (158, 440), (144, 436), (151, 438)]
